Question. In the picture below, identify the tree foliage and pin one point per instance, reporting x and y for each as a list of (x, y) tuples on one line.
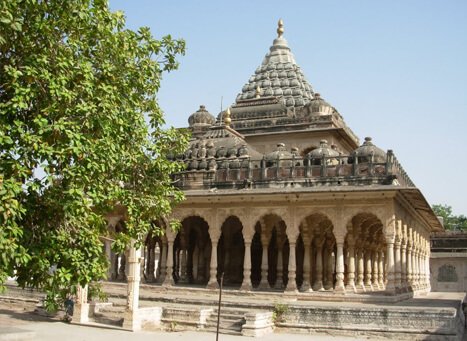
[(75, 87), (451, 221)]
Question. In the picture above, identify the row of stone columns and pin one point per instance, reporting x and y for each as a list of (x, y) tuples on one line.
[(411, 260), (402, 264), (365, 269)]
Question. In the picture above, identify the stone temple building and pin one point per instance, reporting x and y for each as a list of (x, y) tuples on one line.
[(282, 196)]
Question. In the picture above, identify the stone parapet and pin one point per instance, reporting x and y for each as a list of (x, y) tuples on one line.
[(304, 172)]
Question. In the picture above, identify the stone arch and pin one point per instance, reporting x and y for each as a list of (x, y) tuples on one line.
[(365, 251), (192, 251), (154, 252), (270, 251), (377, 212), (231, 251), (316, 253)]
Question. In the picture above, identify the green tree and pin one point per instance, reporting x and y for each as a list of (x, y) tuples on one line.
[(451, 221), (75, 87)]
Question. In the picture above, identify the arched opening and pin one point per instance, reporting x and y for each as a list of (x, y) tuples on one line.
[(153, 250), (365, 253), (192, 252), (231, 252), (269, 253), (316, 254)]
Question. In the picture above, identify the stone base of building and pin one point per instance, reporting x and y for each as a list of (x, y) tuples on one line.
[(378, 314), (398, 323)]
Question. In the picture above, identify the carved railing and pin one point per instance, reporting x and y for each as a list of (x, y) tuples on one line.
[(334, 170)]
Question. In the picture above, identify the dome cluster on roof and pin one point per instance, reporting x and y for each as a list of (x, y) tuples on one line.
[(206, 156), (201, 117)]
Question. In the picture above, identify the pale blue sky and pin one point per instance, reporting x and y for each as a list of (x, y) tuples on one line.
[(396, 70)]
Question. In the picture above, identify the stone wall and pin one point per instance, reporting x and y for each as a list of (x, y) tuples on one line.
[(448, 261), (449, 271)]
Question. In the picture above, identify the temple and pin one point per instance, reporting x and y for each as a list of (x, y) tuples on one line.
[(281, 196)]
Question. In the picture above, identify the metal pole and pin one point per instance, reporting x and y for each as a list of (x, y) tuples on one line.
[(219, 306)]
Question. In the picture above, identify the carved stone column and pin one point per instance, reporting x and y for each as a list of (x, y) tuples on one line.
[(381, 269), (131, 319), (318, 285), (422, 267), (409, 266), (397, 263), (246, 284), (163, 262), (306, 264), (183, 258), (212, 283), (360, 270), (368, 270), (351, 265), (390, 265), (404, 283), (329, 264), (416, 269), (340, 265), (427, 265), (81, 308), (168, 278), (374, 277), (292, 283), (280, 265), (265, 238)]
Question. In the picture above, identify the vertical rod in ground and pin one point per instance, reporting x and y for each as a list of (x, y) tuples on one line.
[(219, 306)]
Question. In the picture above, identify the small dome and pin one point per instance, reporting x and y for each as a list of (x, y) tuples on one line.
[(279, 154), (323, 150), (201, 118), (319, 106), (368, 152)]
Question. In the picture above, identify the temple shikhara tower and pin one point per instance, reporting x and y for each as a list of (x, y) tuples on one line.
[(281, 196)]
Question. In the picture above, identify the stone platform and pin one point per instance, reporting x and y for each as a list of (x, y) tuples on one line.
[(435, 316), (431, 316)]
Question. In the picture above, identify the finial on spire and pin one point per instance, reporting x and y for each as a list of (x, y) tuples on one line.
[(280, 28), (227, 118), (258, 92)]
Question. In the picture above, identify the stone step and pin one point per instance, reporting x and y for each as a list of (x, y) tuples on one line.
[(237, 325), (226, 331)]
